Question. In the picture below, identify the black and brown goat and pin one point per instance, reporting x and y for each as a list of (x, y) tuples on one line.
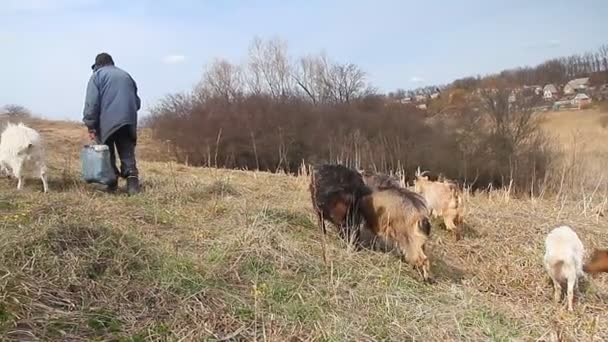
[(336, 191)]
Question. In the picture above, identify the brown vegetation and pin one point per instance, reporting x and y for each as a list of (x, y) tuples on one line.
[(272, 115)]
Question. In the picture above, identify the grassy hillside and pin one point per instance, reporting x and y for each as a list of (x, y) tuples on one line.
[(206, 254)]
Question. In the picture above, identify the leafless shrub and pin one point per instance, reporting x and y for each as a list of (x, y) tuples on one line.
[(272, 114), (501, 141), (16, 111)]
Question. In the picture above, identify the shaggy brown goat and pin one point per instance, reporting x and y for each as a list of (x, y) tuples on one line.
[(401, 216), (335, 192), (598, 262)]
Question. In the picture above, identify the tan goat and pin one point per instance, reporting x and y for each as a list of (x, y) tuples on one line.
[(444, 199), (401, 216)]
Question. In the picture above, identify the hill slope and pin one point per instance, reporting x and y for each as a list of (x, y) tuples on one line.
[(219, 254)]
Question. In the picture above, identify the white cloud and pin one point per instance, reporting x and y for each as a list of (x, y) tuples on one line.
[(416, 79), (174, 59)]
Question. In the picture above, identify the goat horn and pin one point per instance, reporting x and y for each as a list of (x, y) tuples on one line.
[(419, 173)]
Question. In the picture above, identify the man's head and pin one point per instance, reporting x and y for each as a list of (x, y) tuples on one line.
[(102, 59)]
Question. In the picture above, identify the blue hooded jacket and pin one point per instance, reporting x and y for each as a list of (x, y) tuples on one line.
[(111, 102)]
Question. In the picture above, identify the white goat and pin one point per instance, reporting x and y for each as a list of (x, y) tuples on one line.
[(22, 150), (564, 261)]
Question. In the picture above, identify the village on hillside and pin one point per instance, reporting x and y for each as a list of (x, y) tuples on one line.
[(578, 93)]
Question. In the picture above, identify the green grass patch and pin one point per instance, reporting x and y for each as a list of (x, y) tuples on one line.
[(5, 315), (217, 189), (258, 267), (7, 204), (494, 325), (103, 321), (291, 218)]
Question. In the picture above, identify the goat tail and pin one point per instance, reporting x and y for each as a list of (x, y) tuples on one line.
[(557, 270), (425, 226)]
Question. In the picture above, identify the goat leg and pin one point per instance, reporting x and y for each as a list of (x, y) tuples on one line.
[(557, 290), (45, 185), (322, 225), (571, 283)]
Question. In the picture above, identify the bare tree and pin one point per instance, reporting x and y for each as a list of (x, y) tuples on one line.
[(344, 82), (511, 122), (14, 110), (269, 68), (223, 79), (350, 81), (309, 75)]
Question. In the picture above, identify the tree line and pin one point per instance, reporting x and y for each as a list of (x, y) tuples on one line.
[(274, 112)]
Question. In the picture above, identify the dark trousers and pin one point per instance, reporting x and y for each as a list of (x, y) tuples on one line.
[(124, 142)]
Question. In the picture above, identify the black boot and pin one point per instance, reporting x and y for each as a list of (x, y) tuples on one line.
[(112, 187), (132, 185)]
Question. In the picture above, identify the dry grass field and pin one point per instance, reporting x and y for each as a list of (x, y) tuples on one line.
[(207, 254), (582, 137)]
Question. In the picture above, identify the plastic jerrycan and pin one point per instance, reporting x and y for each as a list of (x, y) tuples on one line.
[(96, 166)]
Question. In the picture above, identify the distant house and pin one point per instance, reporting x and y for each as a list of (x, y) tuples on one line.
[(572, 101), (581, 100), (434, 95), (420, 98), (406, 100), (550, 92), (421, 106), (576, 85)]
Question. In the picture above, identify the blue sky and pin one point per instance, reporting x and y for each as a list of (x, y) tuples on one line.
[(48, 45)]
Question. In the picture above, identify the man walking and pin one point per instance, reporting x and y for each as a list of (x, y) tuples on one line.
[(110, 114)]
